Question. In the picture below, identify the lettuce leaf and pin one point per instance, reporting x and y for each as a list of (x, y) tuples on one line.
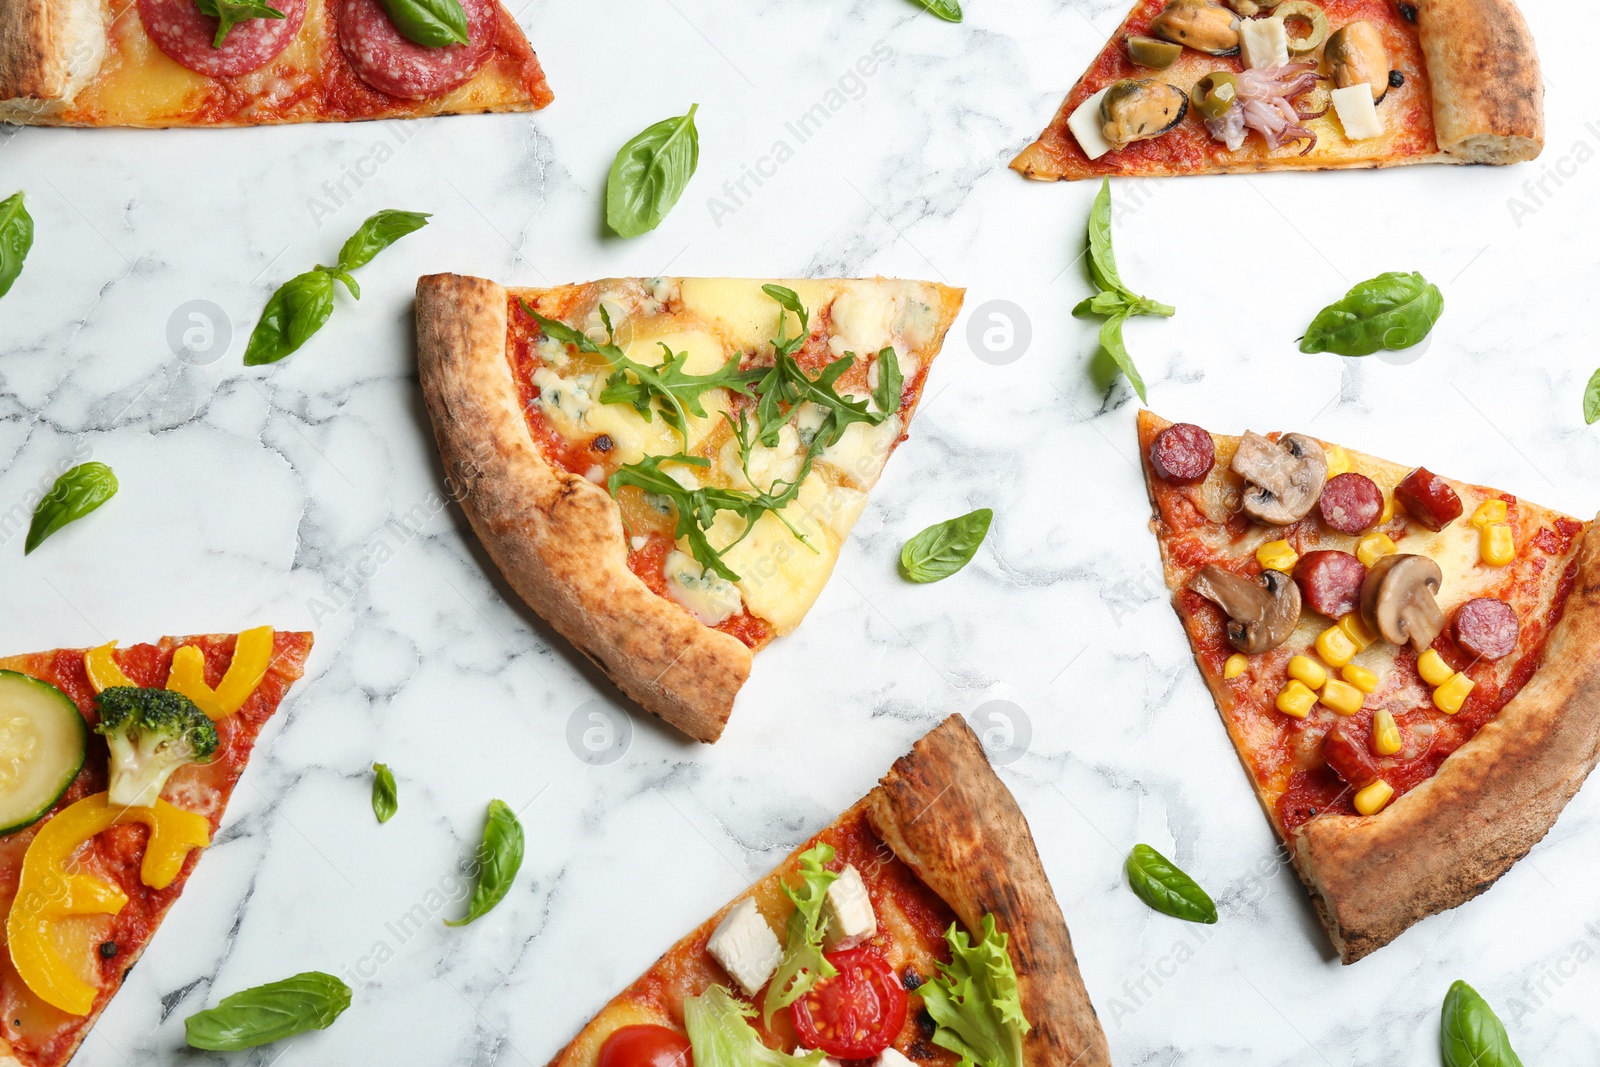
[(974, 1001), (803, 964), (720, 1034)]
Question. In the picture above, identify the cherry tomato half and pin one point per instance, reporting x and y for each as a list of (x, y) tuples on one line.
[(856, 1013), (647, 1045)]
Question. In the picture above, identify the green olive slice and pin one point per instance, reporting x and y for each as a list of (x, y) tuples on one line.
[(1308, 12), (1153, 52), (1215, 93)]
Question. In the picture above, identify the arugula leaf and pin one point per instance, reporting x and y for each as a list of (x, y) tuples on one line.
[(1115, 300), (650, 173), (803, 963), (944, 548), (430, 23), (16, 238), (76, 493), (230, 13), (974, 1000), (1591, 400), (720, 1035), (949, 10), (499, 859), (1390, 312), (385, 795), (1470, 1034), (267, 1013), (1161, 884)]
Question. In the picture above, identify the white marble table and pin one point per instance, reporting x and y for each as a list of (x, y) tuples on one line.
[(247, 493)]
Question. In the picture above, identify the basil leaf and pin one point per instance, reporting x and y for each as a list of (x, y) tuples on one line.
[(1108, 302), (230, 13), (267, 1013), (1390, 312), (430, 23), (385, 795), (499, 860), (650, 173), (75, 494), (1159, 883), (382, 229), (1591, 400), (803, 964), (16, 237), (1470, 1034), (1114, 300), (1111, 341), (296, 311), (891, 383), (1102, 258), (946, 547), (948, 10)]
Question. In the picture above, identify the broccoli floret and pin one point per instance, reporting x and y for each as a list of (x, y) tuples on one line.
[(151, 733)]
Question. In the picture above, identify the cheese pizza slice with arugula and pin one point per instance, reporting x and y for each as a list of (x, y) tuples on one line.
[(1204, 87), (665, 469), (1405, 662), (917, 929), (116, 765)]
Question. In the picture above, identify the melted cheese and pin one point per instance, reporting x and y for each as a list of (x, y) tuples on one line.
[(708, 596), (749, 315), (862, 451)]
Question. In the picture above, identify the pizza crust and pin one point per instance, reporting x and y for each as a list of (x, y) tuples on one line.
[(556, 537), (49, 50), (1492, 800), (947, 815), (1488, 95)]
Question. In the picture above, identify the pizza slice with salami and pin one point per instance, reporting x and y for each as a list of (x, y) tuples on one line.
[(918, 928), (1206, 87), (116, 765), (160, 63), (666, 469), (1405, 662)]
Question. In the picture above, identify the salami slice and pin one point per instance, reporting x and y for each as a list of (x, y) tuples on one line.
[(1330, 582), (1487, 628), (1428, 499), (1351, 503), (1183, 453), (387, 61), (184, 35)]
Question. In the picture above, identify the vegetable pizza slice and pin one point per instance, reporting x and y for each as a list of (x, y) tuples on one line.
[(666, 468), (1202, 87), (1405, 663), (918, 928), (117, 766)]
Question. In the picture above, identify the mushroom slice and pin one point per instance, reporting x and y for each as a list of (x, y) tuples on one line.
[(1397, 600), (1262, 612), (1285, 479)]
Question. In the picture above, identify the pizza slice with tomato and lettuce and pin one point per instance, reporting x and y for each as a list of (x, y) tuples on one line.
[(115, 768), (1405, 662), (666, 469), (918, 928)]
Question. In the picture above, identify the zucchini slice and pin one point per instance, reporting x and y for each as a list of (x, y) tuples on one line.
[(43, 739)]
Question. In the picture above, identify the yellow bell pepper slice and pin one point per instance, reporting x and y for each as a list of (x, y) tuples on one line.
[(48, 891), (252, 655), (102, 668)]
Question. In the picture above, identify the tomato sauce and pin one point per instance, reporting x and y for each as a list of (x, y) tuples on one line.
[(39, 1033)]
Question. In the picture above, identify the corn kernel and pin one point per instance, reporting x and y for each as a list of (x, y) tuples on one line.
[(1373, 547), (1489, 512), (1335, 646), (1338, 460), (1374, 798), (1385, 734), (1433, 668), (1361, 678), (1237, 664), (1308, 671), (1449, 697), (1342, 697), (1388, 510), (1295, 699), (1357, 631), (1277, 556), (1496, 546)]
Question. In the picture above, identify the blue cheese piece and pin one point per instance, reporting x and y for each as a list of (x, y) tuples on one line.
[(707, 595), (1264, 43), (851, 919), (746, 947), (1357, 112), (1087, 126)]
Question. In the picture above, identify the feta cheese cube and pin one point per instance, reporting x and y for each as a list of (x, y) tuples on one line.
[(746, 946), (1357, 112), (890, 1057), (851, 919), (1264, 42), (1086, 125)]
